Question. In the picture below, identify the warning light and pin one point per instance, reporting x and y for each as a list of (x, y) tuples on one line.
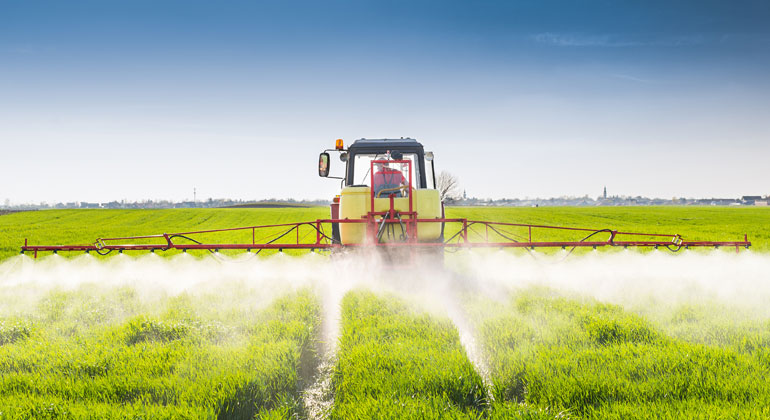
[(338, 144)]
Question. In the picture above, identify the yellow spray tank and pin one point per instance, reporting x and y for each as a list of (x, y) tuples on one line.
[(355, 203)]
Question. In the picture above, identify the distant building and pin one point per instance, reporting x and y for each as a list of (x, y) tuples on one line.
[(605, 192), (750, 199), (718, 201)]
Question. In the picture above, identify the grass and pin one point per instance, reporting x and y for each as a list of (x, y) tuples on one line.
[(85, 226), (590, 360), (394, 362), (693, 223), (108, 353)]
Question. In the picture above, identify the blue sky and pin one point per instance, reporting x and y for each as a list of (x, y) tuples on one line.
[(103, 100)]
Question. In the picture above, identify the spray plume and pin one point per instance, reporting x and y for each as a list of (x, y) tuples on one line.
[(629, 279)]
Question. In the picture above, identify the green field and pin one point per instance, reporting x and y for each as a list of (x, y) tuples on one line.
[(395, 360), (693, 223), (94, 353), (85, 226), (598, 361), (93, 349)]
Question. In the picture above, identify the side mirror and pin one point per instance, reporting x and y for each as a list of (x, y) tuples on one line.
[(323, 165)]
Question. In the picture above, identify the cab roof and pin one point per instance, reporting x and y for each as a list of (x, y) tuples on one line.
[(382, 145)]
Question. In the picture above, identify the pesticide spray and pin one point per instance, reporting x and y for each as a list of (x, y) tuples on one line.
[(629, 279), (633, 280)]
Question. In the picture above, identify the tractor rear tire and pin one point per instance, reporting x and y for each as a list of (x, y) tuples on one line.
[(336, 233)]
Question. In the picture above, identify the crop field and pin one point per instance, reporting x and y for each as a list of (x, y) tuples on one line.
[(610, 334), (85, 226), (596, 361), (394, 360), (90, 353)]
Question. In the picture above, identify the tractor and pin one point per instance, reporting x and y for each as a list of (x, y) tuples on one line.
[(388, 182)]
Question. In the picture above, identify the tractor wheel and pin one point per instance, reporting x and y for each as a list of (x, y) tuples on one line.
[(336, 233)]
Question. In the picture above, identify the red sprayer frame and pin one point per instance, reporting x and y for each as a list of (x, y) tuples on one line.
[(492, 235), (391, 216), (459, 239)]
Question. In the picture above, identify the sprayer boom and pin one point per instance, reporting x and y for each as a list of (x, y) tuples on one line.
[(312, 236)]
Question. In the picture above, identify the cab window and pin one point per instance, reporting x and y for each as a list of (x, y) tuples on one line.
[(362, 168)]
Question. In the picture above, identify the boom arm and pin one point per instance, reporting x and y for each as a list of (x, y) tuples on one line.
[(468, 234)]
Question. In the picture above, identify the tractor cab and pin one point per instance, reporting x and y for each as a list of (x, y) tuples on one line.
[(362, 152), (359, 155), (388, 182)]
